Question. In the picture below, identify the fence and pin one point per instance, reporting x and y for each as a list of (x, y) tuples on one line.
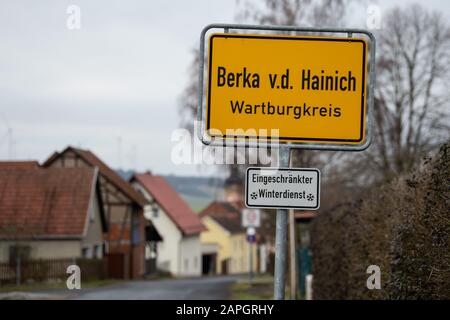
[(45, 270)]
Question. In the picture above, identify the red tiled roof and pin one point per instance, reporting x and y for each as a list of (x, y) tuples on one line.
[(41, 202), (18, 164), (176, 208), (226, 214), (106, 171)]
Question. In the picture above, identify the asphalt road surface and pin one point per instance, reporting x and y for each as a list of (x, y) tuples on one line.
[(212, 288)]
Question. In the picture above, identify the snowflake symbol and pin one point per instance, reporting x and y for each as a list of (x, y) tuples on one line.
[(254, 195), (310, 197)]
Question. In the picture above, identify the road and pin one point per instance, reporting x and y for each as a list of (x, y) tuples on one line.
[(212, 288)]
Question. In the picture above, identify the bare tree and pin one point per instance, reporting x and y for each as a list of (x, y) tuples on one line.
[(188, 99), (305, 13), (411, 105)]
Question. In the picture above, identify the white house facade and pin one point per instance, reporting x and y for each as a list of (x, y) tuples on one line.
[(179, 252)]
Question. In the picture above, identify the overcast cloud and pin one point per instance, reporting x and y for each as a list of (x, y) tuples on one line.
[(120, 75)]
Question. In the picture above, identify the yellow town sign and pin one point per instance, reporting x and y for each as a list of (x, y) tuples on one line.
[(311, 88)]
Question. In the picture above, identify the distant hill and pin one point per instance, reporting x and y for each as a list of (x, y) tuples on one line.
[(198, 192), (126, 174)]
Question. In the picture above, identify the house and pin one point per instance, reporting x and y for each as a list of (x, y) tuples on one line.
[(50, 213), (180, 251), (125, 242), (223, 221)]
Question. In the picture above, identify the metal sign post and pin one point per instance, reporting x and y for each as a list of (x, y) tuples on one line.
[(251, 239), (251, 220), (280, 236), (250, 272), (292, 265)]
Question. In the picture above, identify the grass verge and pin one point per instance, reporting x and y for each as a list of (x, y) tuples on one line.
[(261, 288)]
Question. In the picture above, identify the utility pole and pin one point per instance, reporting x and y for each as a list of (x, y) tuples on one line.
[(18, 267)]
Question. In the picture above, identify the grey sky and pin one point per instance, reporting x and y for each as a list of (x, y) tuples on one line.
[(120, 75)]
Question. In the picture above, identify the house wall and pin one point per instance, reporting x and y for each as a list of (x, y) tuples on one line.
[(232, 247), (216, 234), (168, 250), (191, 257), (93, 240), (240, 258), (44, 249), (178, 254)]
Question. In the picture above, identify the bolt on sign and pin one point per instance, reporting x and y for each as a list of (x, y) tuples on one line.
[(312, 89), (289, 188)]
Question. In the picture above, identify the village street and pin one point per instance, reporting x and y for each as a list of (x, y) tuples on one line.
[(179, 289), (207, 288)]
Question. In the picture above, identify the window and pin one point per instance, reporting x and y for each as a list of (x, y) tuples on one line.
[(155, 211), (86, 252), (186, 264), (98, 251), (136, 233)]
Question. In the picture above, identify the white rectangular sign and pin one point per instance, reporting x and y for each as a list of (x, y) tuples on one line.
[(251, 218), (288, 188)]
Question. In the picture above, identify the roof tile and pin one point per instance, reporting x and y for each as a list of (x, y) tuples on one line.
[(18, 164), (227, 214), (44, 202)]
